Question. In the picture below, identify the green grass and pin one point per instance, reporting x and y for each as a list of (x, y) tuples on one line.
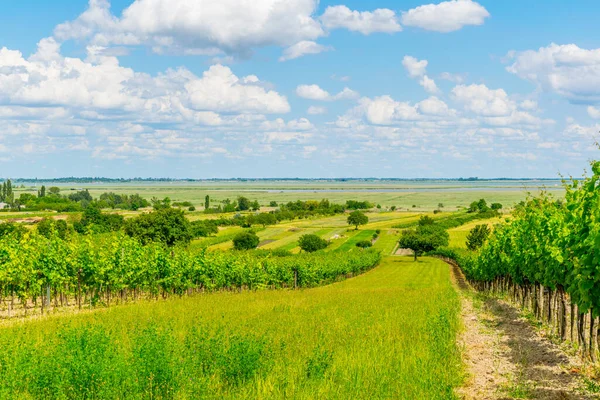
[(389, 333), (458, 235), (351, 242)]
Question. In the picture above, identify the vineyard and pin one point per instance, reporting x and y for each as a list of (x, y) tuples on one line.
[(546, 258), (38, 272)]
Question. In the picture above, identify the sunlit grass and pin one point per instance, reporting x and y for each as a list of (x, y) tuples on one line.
[(389, 333)]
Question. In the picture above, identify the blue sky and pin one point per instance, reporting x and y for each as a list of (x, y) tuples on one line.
[(298, 88)]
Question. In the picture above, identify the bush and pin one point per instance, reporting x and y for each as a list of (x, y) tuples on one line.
[(168, 226), (477, 236), (311, 243), (246, 241), (364, 244), (191, 208)]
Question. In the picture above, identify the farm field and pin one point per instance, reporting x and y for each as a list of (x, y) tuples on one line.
[(425, 195), (389, 333), (458, 235)]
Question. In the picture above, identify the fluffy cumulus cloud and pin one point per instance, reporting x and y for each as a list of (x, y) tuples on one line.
[(447, 16), (416, 69), (568, 70), (314, 92), (100, 83), (316, 110), (47, 100), (365, 22), (198, 26), (484, 101)]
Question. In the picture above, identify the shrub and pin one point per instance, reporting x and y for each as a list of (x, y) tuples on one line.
[(364, 244), (311, 243), (246, 241), (167, 225), (477, 236)]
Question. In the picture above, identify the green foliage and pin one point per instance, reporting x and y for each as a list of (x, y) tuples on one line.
[(95, 221), (204, 228), (166, 225), (477, 236), (206, 202), (272, 203), (496, 206), (357, 218), (424, 238), (311, 243), (426, 220), (246, 241), (243, 204), (265, 219), (358, 205), (364, 244), (49, 227), (11, 229), (552, 243)]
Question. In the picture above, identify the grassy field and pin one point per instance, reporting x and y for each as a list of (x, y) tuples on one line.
[(423, 195), (389, 333), (458, 235)]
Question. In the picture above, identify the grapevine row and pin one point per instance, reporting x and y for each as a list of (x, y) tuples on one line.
[(38, 272)]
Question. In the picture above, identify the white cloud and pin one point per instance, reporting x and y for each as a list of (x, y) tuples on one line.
[(415, 68), (303, 48), (384, 110), (593, 112), (568, 70), (198, 26), (434, 106), (100, 84), (548, 145), (530, 105), (456, 78), (447, 16), (484, 101), (314, 110), (219, 89), (314, 92), (380, 20), (589, 132), (429, 85)]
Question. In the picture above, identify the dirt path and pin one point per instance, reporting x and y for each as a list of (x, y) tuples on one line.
[(507, 358)]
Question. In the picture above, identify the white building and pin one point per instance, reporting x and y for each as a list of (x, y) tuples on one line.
[(3, 206)]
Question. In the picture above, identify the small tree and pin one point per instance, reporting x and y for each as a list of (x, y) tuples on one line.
[(311, 243), (425, 238), (265, 219), (357, 218), (364, 244), (496, 206), (243, 204), (246, 241), (207, 202), (255, 205), (477, 236)]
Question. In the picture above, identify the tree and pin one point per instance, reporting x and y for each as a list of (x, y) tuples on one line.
[(246, 241), (477, 236), (426, 220), (243, 204), (311, 243), (424, 238), (364, 244), (206, 202), (265, 219), (255, 205), (54, 190), (161, 204), (204, 228), (440, 205), (357, 218), (496, 206), (48, 228), (42, 191), (168, 225), (273, 203)]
